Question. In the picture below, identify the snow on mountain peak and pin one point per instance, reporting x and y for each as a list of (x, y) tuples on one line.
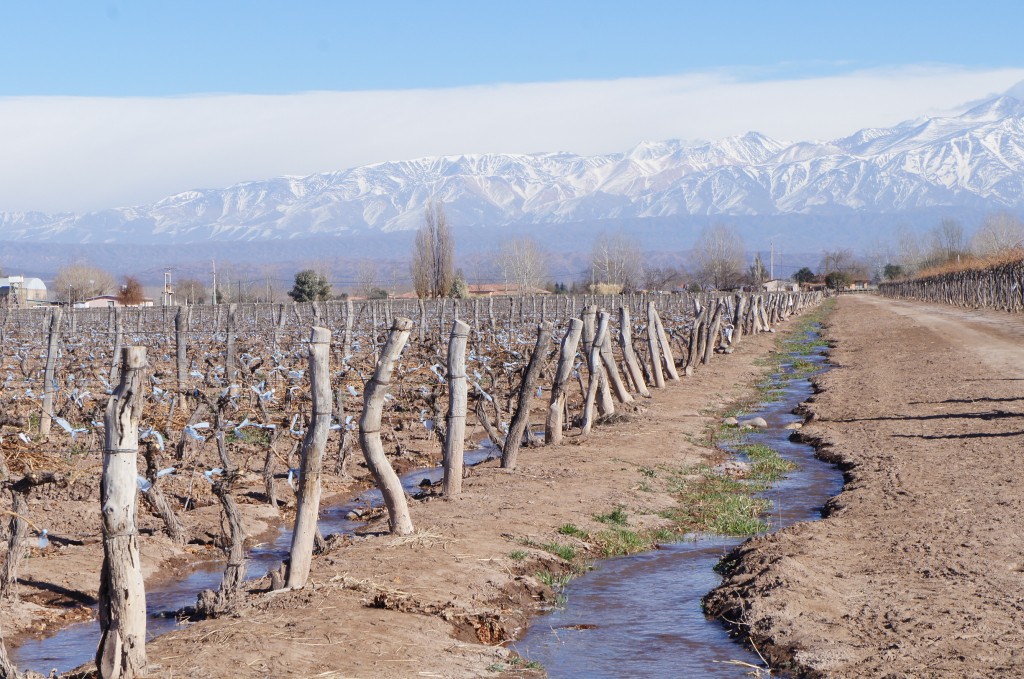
[(975, 160)]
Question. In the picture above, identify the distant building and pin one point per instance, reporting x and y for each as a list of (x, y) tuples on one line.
[(102, 301), (504, 290), (778, 285), (21, 291)]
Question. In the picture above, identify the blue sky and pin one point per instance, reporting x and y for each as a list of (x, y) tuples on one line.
[(110, 103), (187, 47)]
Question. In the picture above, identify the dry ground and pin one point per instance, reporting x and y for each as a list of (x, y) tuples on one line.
[(918, 570)]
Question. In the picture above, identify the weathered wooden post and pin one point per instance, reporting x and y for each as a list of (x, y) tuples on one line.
[(594, 362), (312, 460), (652, 346), (230, 364), (666, 349), (49, 384), (423, 319), (115, 363), (566, 357), (712, 333), (514, 439), (611, 369), (180, 352), (369, 429), (16, 535), (737, 319), (347, 343), (636, 375), (454, 441), (121, 653)]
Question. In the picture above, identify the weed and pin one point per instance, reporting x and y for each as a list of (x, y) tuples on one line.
[(518, 555), (767, 465), (801, 367), (570, 529), (553, 580), (617, 517), (712, 503), (564, 551), (649, 472), (622, 541)]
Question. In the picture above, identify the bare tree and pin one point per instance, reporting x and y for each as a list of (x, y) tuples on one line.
[(367, 284), (433, 255), (910, 253), (758, 272), (999, 233), (80, 281), (190, 291), (718, 257), (615, 260), (836, 260), (523, 264), (662, 277), (947, 241)]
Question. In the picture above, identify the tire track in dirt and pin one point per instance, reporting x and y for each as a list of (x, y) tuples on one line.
[(918, 568)]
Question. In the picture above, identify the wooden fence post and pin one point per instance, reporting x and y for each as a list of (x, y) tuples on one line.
[(121, 653), (636, 375), (115, 361), (369, 429), (652, 346), (312, 460), (514, 439), (49, 386), (666, 350), (596, 369), (566, 358), (454, 441)]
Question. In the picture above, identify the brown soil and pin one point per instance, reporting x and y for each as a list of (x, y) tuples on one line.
[(918, 570), (439, 603)]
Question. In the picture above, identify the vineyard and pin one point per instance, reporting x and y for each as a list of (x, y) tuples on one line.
[(998, 286), (229, 420)]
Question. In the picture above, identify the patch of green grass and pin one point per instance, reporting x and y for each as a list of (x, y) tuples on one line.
[(564, 551), (622, 541), (571, 529), (617, 517), (767, 465), (664, 535), (518, 555), (712, 503), (553, 580), (801, 367)]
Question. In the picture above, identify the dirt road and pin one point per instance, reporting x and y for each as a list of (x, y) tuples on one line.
[(918, 570)]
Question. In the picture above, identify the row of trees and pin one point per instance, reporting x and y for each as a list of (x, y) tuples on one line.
[(947, 244), (616, 262)]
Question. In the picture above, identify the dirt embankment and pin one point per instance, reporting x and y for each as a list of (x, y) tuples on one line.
[(918, 569)]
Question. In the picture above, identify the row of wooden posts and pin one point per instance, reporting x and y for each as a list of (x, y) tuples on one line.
[(719, 323)]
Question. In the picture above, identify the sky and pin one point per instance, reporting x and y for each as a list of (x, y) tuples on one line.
[(106, 104)]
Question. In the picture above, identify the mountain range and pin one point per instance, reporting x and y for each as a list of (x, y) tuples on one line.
[(971, 162)]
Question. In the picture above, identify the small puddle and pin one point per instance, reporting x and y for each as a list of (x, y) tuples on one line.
[(75, 645), (641, 615)]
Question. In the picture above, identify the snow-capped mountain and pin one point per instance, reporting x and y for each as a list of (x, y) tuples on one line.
[(974, 160)]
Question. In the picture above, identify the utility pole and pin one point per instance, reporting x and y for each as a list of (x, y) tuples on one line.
[(771, 261), (213, 300)]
